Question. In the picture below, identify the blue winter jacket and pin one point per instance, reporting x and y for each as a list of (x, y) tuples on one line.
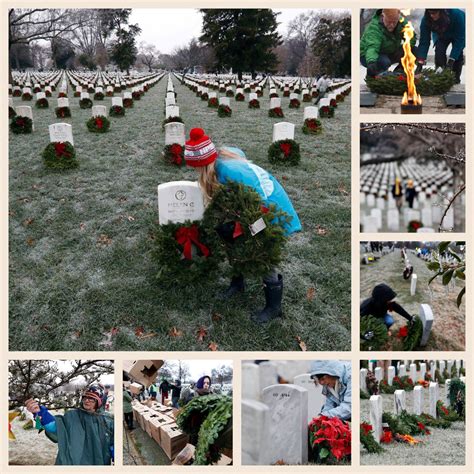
[(261, 181), (456, 34), (333, 407)]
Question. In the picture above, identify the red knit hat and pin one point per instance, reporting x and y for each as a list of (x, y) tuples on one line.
[(96, 392), (199, 150)]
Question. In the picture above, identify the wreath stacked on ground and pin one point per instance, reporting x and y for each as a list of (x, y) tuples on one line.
[(295, 104), (21, 125), (254, 104), (208, 422), (11, 112), (373, 334), (232, 211), (128, 102), (312, 126), (427, 84), (42, 103), (284, 151), (170, 120), (60, 156), (91, 90), (276, 112), (109, 93), (185, 252), (174, 154), (26, 96), (213, 102), (307, 97), (240, 97), (99, 96), (326, 111), (224, 111), (259, 93), (98, 124), (85, 103), (62, 112), (414, 225), (117, 111)]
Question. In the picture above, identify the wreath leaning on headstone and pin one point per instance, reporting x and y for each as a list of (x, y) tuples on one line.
[(413, 337), (284, 151), (98, 124), (428, 83), (174, 154), (170, 120), (252, 234), (60, 156), (20, 124), (373, 334), (312, 126)]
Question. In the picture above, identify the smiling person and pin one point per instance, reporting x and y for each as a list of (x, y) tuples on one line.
[(85, 435), (335, 378)]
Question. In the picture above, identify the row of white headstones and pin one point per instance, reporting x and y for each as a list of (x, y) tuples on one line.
[(376, 401), (275, 416)]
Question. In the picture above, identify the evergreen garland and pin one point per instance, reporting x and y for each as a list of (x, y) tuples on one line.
[(98, 124), (370, 324), (457, 396), (438, 377), (413, 339), (367, 439), (445, 413), (384, 387), (235, 207), (364, 395), (21, 125), (284, 151), (60, 156), (428, 84)]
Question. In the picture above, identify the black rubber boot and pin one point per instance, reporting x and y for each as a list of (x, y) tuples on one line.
[(237, 285), (273, 296)]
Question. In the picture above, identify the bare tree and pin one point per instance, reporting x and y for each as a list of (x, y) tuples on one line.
[(148, 55)]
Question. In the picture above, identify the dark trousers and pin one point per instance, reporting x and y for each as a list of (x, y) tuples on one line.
[(129, 419), (441, 58), (174, 401)]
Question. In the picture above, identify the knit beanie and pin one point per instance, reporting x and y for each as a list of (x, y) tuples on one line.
[(96, 392), (199, 149)]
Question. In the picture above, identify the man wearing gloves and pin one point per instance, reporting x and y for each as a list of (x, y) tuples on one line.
[(335, 378)]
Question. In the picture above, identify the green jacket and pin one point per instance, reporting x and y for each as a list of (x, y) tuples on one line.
[(377, 40), (83, 438), (127, 399)]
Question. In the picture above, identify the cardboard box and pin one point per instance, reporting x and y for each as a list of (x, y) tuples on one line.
[(143, 371), (173, 440), (156, 422), (135, 388)]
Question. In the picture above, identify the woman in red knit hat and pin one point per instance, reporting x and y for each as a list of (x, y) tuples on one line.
[(230, 164)]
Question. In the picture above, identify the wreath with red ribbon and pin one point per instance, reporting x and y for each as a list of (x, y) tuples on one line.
[(284, 151), (312, 126), (171, 119), (26, 96), (21, 125), (213, 102), (128, 103), (276, 112), (117, 111), (224, 111), (307, 98), (295, 104), (204, 96), (99, 96), (254, 104), (62, 112), (414, 225), (60, 156), (85, 103), (42, 103), (174, 154), (240, 97), (326, 111), (98, 124)]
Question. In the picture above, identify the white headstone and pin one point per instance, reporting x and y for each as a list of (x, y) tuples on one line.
[(212, 95), (288, 432), (363, 379), (370, 224), (399, 401), (25, 111), (426, 316), (447, 383), (117, 101), (311, 112), (98, 110), (250, 381), (253, 96), (442, 366), (257, 424), (393, 220), (179, 201), (170, 101), (402, 371), (422, 370), (224, 101), (283, 131), (78, 89), (390, 374), (268, 374), (324, 103), (418, 400), (127, 95), (275, 102), (413, 372), (414, 279), (294, 96), (377, 213), (315, 397), (433, 391), (427, 217), (376, 410), (40, 95), (370, 200), (172, 111), (61, 132), (450, 367), (174, 133), (432, 369), (63, 102), (84, 95), (378, 373)]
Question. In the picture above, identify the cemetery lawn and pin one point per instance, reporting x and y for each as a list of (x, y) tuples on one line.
[(441, 447), (448, 331), (81, 273)]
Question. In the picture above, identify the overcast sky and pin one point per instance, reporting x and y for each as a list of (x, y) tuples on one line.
[(169, 28), (198, 368)]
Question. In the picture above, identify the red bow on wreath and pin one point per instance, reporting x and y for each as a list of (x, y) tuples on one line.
[(237, 230), (60, 149), (186, 236), (285, 148), (176, 151), (98, 122)]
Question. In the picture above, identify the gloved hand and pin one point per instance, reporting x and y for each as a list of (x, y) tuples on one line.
[(372, 69), (45, 415), (450, 63)]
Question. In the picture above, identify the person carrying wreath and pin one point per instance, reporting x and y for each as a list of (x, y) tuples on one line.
[(382, 40), (216, 167), (85, 435), (444, 27)]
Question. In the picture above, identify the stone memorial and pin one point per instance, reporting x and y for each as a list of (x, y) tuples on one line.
[(63, 102), (414, 279), (413, 372), (61, 132), (376, 411), (175, 133), (117, 101), (253, 96), (275, 102), (315, 397), (418, 400), (447, 401), (390, 374), (402, 371), (251, 381), (268, 374), (422, 370), (426, 316), (363, 379), (433, 392), (311, 112), (26, 111), (179, 201), (99, 110), (224, 101), (256, 418), (172, 111), (378, 372), (399, 401), (283, 131)]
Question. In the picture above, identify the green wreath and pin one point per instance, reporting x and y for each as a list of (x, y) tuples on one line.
[(294, 104), (240, 97), (117, 111), (229, 93), (128, 103), (136, 95), (21, 125), (99, 96), (326, 111), (284, 151), (373, 334), (224, 111), (60, 156), (170, 120), (384, 387), (209, 420), (233, 209), (213, 102), (204, 96), (312, 126), (98, 124), (413, 338), (185, 252), (85, 104), (276, 112), (254, 104), (307, 98), (42, 103), (367, 439), (174, 154), (429, 83), (414, 225), (62, 112), (26, 96)]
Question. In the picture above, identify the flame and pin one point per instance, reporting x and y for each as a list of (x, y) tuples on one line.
[(408, 63)]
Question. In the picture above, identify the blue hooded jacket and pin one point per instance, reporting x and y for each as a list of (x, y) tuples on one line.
[(261, 181), (456, 34), (333, 407)]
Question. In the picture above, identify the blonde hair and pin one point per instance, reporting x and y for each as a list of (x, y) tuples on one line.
[(207, 174)]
